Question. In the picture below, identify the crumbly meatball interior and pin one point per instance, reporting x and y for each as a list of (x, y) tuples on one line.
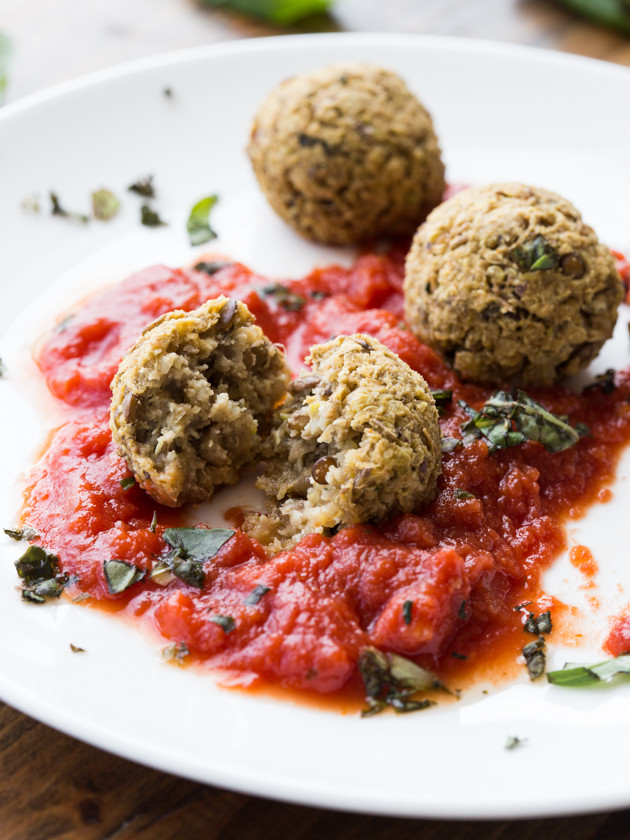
[(193, 399), (509, 284), (357, 439), (347, 153)]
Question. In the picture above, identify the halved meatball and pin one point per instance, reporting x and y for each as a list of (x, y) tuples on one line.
[(356, 440), (192, 400)]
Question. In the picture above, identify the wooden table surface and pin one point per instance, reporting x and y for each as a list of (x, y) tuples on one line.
[(52, 786)]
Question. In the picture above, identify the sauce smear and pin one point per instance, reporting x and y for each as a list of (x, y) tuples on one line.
[(439, 586)]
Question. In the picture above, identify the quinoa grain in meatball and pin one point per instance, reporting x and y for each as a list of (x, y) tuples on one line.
[(509, 284), (356, 440), (192, 399), (347, 153)]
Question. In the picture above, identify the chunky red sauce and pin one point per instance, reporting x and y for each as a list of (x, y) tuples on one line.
[(463, 563)]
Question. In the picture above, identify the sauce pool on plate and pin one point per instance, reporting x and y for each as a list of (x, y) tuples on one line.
[(441, 586)]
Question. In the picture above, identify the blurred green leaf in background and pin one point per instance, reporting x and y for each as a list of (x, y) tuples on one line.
[(282, 12), (6, 50), (615, 13)]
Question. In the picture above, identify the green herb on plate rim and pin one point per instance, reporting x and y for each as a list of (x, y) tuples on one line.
[(41, 579), (149, 217), (574, 675), (198, 224), (25, 533), (57, 210), (143, 187)]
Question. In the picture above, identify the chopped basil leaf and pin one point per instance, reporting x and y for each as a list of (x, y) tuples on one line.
[(535, 255), (143, 187), (605, 383), (198, 224), (153, 524), (127, 482), (149, 218), (37, 564), (407, 607), (316, 294), (535, 658), (76, 648), (538, 624), (282, 12), (84, 596), (522, 606), (58, 210), (578, 676), (392, 680), (283, 296), (462, 612), (463, 494), (177, 652), (168, 92), (513, 742), (120, 575), (226, 622), (190, 548), (105, 205), (3, 369), (25, 533), (510, 418), (62, 325), (212, 267), (39, 569), (256, 594), (450, 444), (457, 655), (442, 398)]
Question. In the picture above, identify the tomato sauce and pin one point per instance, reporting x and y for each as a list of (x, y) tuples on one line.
[(441, 585)]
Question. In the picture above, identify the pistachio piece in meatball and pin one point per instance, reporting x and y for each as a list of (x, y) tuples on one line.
[(510, 285), (357, 439), (347, 153), (193, 398)]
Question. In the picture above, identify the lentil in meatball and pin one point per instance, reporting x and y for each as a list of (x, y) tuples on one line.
[(193, 399), (356, 440), (510, 285), (347, 153)]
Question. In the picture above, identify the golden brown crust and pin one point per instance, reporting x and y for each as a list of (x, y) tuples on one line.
[(347, 153), (509, 284), (356, 440)]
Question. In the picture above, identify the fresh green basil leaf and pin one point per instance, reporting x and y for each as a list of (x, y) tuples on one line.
[(510, 418), (614, 13), (579, 676), (191, 547), (198, 224), (282, 12), (535, 659), (120, 575), (392, 681)]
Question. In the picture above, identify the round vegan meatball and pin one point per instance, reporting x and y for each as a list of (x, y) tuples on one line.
[(347, 153), (357, 439), (193, 398), (509, 284)]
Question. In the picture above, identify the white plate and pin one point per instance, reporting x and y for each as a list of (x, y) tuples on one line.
[(501, 113)]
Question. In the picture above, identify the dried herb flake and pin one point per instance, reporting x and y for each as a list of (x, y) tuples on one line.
[(105, 205), (256, 594), (393, 681)]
